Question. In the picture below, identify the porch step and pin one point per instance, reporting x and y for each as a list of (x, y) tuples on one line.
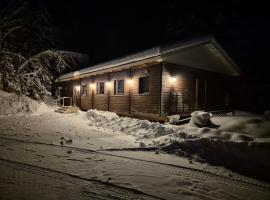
[(67, 109)]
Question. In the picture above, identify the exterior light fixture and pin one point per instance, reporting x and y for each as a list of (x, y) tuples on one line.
[(173, 79), (77, 88), (109, 84), (129, 81), (92, 86)]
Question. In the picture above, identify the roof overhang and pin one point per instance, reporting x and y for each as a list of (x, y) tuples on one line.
[(205, 54)]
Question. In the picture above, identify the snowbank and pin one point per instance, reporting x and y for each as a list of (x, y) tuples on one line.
[(243, 144), (135, 127), (201, 119), (12, 104), (237, 131), (256, 127)]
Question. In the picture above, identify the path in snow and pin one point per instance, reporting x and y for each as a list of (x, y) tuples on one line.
[(167, 182)]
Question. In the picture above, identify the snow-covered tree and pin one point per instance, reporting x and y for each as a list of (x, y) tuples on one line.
[(35, 75), (28, 65)]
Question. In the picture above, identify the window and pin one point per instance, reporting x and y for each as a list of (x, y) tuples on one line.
[(100, 87), (143, 84), (119, 86), (84, 90)]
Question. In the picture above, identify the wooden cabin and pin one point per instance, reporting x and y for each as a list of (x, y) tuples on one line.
[(165, 80)]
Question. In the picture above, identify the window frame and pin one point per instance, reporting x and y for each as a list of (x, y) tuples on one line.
[(116, 89), (82, 89), (139, 91), (98, 88)]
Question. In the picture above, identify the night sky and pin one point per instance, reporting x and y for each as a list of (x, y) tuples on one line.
[(110, 29)]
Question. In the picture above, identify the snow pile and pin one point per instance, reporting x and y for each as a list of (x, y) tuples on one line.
[(174, 119), (256, 127), (135, 127), (199, 119), (160, 134), (11, 104), (267, 115), (202, 119)]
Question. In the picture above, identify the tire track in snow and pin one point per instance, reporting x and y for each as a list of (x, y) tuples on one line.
[(219, 177), (103, 190)]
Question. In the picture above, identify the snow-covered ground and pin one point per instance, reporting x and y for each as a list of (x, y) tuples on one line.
[(43, 145)]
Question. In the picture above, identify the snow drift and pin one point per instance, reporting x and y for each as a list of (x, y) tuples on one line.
[(135, 127), (242, 145), (13, 104), (238, 131)]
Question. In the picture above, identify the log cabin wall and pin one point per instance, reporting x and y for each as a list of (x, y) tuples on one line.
[(130, 102), (149, 102), (100, 101), (192, 90), (119, 103), (178, 91)]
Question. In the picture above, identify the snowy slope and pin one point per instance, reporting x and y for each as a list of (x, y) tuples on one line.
[(12, 104)]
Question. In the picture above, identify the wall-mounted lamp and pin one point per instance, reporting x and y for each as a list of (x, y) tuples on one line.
[(172, 79), (129, 81), (92, 86), (77, 88), (109, 84)]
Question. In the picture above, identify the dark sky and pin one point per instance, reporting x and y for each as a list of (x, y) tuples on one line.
[(108, 29)]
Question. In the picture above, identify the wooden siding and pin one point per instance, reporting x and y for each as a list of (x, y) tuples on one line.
[(131, 102), (178, 97), (119, 103), (193, 90), (146, 104)]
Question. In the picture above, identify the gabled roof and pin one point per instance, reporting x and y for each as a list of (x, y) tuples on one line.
[(204, 53)]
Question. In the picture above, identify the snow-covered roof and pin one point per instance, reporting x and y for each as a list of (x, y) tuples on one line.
[(179, 53)]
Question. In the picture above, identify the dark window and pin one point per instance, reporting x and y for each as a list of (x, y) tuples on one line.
[(119, 86), (143, 84), (84, 90), (100, 87)]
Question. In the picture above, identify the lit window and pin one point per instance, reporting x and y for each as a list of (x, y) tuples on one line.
[(143, 84), (84, 90), (119, 86), (100, 87)]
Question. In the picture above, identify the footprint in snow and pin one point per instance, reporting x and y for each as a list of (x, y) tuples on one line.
[(41, 156), (30, 150), (69, 151)]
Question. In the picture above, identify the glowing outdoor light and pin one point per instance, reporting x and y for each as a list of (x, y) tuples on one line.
[(173, 79), (129, 81), (77, 88), (109, 84), (92, 85)]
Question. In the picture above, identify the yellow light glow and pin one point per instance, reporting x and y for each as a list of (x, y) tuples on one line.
[(77, 88), (108, 84), (92, 86), (129, 81), (173, 79)]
